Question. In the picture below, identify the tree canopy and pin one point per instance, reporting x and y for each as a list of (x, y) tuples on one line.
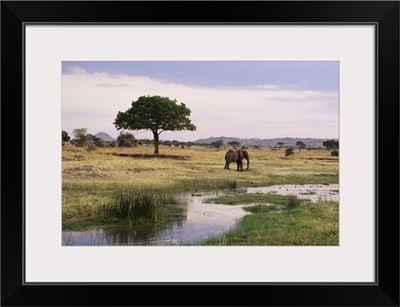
[(289, 151), (81, 136), (155, 114), (301, 145), (234, 143), (331, 144), (217, 144), (65, 137)]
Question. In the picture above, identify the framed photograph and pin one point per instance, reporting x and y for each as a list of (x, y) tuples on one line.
[(199, 153)]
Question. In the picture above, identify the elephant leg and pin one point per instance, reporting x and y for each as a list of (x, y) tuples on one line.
[(239, 165), (226, 165)]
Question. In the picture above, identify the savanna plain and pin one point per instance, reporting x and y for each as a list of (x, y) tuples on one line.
[(124, 186)]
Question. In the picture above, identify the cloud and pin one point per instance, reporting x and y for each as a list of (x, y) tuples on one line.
[(268, 87), (92, 100)]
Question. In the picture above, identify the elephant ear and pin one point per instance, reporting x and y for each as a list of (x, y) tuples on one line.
[(240, 153)]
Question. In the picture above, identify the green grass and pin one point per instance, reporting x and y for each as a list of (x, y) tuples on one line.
[(293, 202), (110, 194), (312, 224), (88, 204)]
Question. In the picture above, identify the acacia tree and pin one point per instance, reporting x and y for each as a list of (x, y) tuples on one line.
[(155, 114), (301, 145), (331, 144), (234, 143), (217, 144)]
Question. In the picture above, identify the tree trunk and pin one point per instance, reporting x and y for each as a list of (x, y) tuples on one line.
[(156, 141)]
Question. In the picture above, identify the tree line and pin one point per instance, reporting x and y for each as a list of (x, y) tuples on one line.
[(156, 114)]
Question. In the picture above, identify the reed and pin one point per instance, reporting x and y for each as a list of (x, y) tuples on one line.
[(146, 204), (293, 201)]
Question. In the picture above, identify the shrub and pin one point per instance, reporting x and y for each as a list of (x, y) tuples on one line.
[(90, 147), (65, 137), (289, 152), (112, 143), (101, 143), (335, 153), (127, 140)]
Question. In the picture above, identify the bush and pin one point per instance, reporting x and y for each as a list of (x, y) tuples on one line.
[(127, 140), (112, 143), (65, 137), (335, 153), (101, 143), (289, 151), (90, 147)]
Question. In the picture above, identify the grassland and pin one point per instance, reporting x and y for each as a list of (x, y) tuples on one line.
[(90, 178), (285, 222)]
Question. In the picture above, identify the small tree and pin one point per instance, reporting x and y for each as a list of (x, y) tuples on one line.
[(280, 144), (146, 141), (112, 143), (217, 144), (175, 143), (101, 143), (92, 139), (64, 136), (331, 144), (156, 114), (335, 153), (301, 145), (234, 143), (81, 136), (289, 152)]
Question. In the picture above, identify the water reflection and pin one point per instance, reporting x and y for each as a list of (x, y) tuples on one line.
[(193, 220), (312, 192)]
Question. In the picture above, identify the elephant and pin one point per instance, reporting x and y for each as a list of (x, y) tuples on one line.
[(237, 156)]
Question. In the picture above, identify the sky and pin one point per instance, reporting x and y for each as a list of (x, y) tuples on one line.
[(246, 99)]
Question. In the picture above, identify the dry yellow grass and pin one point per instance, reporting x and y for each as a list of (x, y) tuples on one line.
[(90, 177), (200, 162)]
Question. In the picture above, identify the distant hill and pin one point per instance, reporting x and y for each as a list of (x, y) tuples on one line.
[(104, 136), (288, 141)]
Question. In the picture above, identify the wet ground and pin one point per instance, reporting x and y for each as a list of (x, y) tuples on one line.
[(194, 221), (313, 192)]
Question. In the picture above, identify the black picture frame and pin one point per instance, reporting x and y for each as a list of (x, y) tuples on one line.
[(383, 14)]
